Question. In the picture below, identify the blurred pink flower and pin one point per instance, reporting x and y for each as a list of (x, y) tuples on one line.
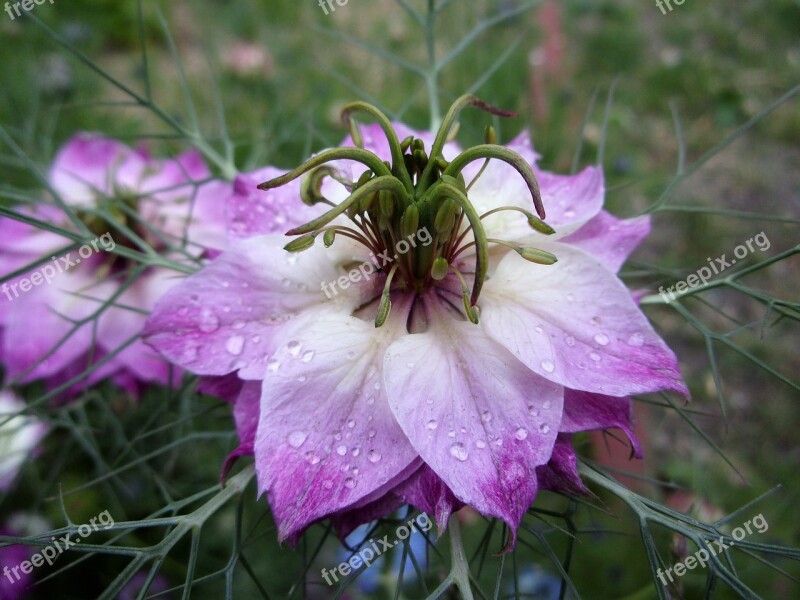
[(41, 308)]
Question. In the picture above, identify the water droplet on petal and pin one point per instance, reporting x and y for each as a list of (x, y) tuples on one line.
[(312, 457), (539, 329), (351, 423), (486, 416), (601, 339), (458, 451), (273, 365), (302, 378), (532, 411), (327, 484), (373, 456), (297, 438), (569, 213), (594, 356), (544, 428), (372, 433), (570, 341), (235, 345), (293, 347), (370, 399), (341, 450), (571, 297), (350, 483), (355, 451), (548, 366), (451, 433), (637, 340), (432, 424), (546, 405), (480, 444), (351, 354), (209, 322), (521, 433), (307, 356)]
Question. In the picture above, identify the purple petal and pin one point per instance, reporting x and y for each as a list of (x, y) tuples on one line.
[(585, 411), (480, 419), (560, 474), (223, 318), (90, 164), (426, 491), (575, 323), (609, 239), (326, 438)]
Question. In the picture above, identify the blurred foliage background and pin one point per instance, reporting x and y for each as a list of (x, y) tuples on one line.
[(682, 81)]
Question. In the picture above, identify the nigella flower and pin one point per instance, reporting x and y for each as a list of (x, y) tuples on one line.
[(49, 323), (439, 373), (19, 437)]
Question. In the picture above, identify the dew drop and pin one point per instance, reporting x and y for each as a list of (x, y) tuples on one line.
[(373, 456), (486, 416), (370, 399), (293, 347), (451, 433), (544, 428), (570, 341), (351, 423), (459, 452), (297, 438), (350, 483), (302, 378), (341, 450), (569, 213), (432, 424), (521, 433), (256, 339), (312, 457), (539, 329), (238, 324), (273, 365), (548, 366), (532, 411), (235, 345), (327, 484), (377, 386), (546, 405), (601, 339), (637, 340), (209, 322), (480, 444), (355, 451), (307, 356), (594, 356)]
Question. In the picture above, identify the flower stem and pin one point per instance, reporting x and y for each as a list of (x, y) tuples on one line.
[(459, 569)]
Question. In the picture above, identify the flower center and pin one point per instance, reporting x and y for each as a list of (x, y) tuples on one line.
[(414, 212)]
